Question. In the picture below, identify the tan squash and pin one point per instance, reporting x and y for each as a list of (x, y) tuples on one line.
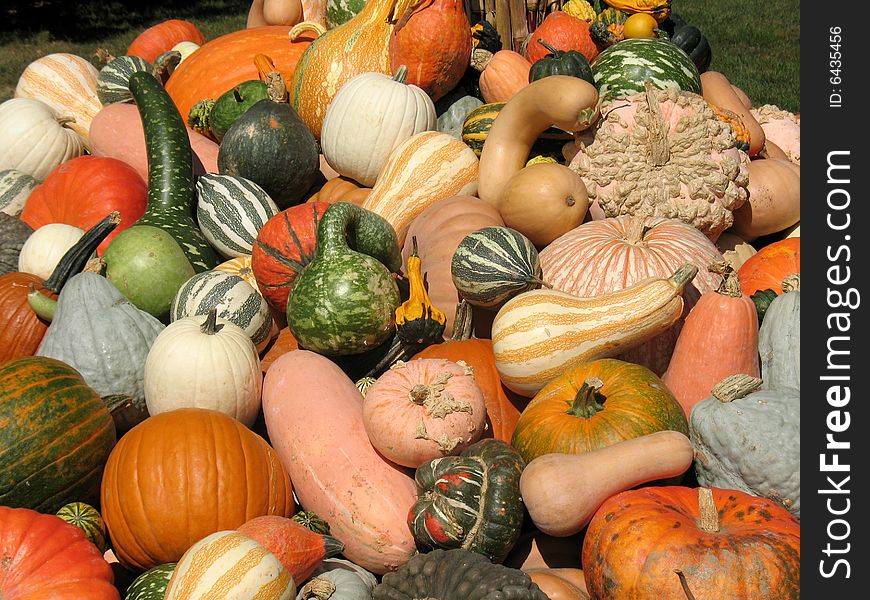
[(544, 201), (506, 73), (735, 250), (741, 95), (771, 150), (566, 102), (557, 585), (274, 12), (563, 491), (718, 91), (774, 199)]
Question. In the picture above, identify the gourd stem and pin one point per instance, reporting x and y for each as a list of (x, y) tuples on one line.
[(210, 325), (735, 387), (462, 322), (636, 229), (41, 304), (553, 51), (480, 58), (684, 275), (685, 585), (269, 74), (589, 400), (730, 285), (304, 27), (419, 393), (708, 514), (104, 56), (165, 64), (75, 259), (63, 121), (792, 283), (657, 143), (332, 546), (401, 74), (236, 95), (318, 589), (339, 228)]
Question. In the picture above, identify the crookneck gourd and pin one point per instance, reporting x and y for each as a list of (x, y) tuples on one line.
[(456, 574), (471, 501), (344, 302)]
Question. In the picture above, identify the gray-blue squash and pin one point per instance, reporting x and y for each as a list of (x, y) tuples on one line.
[(779, 338)]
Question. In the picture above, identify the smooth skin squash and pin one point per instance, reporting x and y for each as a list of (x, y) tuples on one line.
[(718, 91), (563, 491), (556, 585), (566, 102), (774, 199)]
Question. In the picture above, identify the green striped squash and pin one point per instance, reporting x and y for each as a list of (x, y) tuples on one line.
[(152, 584), (494, 264), (55, 435), (113, 83), (88, 519), (478, 122), (339, 12), (621, 69), (236, 300), (231, 211), (15, 188)]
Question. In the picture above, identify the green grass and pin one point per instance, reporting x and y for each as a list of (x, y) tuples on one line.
[(756, 43)]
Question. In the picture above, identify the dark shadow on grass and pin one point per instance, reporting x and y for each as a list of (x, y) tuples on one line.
[(83, 20)]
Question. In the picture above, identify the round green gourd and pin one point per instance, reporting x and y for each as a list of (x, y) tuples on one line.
[(113, 82), (494, 264), (345, 300), (152, 584), (561, 62), (88, 519), (232, 104)]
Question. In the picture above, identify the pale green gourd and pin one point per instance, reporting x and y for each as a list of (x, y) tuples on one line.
[(779, 338)]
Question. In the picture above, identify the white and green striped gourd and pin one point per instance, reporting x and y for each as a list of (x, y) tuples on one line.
[(231, 211), (15, 188), (236, 300), (494, 264), (113, 83)]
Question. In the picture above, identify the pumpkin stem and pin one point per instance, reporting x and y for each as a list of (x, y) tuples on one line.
[(104, 56), (636, 229), (318, 589), (589, 400), (735, 387), (553, 51), (685, 585), (237, 96), (77, 257), (401, 74), (657, 144), (480, 57), (792, 283), (708, 514), (269, 74), (64, 121), (462, 322), (730, 285), (210, 326)]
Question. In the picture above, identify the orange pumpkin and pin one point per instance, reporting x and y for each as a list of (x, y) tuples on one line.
[(769, 266), (160, 38), (506, 73), (341, 189), (563, 32), (182, 475), (658, 542)]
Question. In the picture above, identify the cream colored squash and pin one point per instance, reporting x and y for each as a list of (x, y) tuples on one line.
[(67, 83), (369, 116), (34, 139), (45, 247), (185, 49), (204, 362)]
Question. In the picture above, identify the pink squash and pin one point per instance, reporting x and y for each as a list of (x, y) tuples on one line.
[(116, 131), (314, 417)]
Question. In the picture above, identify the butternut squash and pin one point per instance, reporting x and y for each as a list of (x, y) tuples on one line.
[(718, 91), (563, 491), (566, 102), (556, 586), (274, 12), (314, 418), (774, 202)]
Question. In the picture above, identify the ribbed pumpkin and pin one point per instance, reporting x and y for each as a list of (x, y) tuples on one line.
[(611, 254), (229, 564), (67, 83), (562, 32), (228, 60), (56, 435), (506, 73), (83, 190), (594, 405), (155, 466), (44, 557), (160, 38), (284, 246), (713, 539), (768, 267)]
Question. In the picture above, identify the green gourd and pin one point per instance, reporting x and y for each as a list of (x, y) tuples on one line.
[(152, 584), (344, 301), (232, 104)]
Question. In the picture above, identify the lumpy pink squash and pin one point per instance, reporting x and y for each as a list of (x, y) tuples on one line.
[(782, 128)]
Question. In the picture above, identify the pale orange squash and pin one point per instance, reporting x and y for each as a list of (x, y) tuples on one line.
[(506, 73), (774, 202)]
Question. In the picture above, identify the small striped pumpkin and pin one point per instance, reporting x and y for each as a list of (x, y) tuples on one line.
[(151, 585), (113, 82), (68, 84), (229, 564), (231, 211), (15, 188), (422, 170), (88, 519), (494, 264), (234, 298)]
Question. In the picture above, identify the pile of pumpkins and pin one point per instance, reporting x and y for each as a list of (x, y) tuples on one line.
[(367, 305)]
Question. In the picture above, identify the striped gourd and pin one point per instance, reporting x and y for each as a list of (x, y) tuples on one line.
[(68, 84), (113, 83), (422, 170), (15, 188), (229, 564), (478, 122), (241, 266), (88, 519), (494, 264), (151, 585), (539, 334), (621, 69), (231, 211), (234, 298)]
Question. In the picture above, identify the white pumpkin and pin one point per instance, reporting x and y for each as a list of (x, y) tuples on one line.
[(44, 248), (185, 49), (230, 565), (67, 83), (369, 116), (34, 139), (204, 361)]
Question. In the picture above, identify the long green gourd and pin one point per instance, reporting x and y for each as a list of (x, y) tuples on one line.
[(345, 300), (171, 198)]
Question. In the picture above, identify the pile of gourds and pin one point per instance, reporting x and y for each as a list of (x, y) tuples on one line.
[(370, 306)]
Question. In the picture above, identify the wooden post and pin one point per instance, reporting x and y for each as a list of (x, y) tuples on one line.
[(519, 24), (503, 23)]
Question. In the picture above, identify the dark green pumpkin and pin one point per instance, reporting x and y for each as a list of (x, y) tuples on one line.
[(270, 145), (232, 104), (55, 435), (762, 300), (470, 501), (690, 40), (561, 62)]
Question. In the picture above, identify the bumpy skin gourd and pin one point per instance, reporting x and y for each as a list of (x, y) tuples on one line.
[(689, 169)]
